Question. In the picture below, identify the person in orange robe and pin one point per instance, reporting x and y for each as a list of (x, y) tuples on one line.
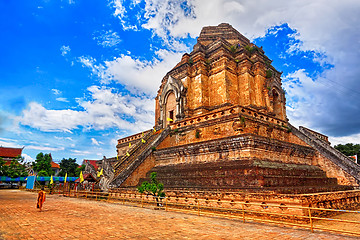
[(41, 198)]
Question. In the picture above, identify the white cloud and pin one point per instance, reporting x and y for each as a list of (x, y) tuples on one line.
[(95, 142), (7, 142), (354, 138), (107, 38), (44, 148), (61, 99), (65, 50), (41, 118), (120, 12), (27, 158), (136, 75), (64, 138), (97, 69), (56, 91), (104, 109), (77, 152)]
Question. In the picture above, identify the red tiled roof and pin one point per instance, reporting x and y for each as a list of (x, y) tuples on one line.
[(54, 165), (10, 152)]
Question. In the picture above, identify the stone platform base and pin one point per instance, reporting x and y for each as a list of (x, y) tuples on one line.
[(250, 175)]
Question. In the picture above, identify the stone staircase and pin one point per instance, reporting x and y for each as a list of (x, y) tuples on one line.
[(248, 175), (329, 152), (128, 164)]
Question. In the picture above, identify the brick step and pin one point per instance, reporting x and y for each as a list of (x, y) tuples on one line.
[(240, 168), (262, 190), (245, 174), (246, 181)]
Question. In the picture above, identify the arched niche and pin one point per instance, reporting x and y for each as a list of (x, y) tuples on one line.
[(170, 108), (277, 103), (171, 102)]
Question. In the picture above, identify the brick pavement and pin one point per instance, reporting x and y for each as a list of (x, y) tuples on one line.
[(70, 218)]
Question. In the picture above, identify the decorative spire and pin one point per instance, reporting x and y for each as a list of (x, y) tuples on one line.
[(224, 30)]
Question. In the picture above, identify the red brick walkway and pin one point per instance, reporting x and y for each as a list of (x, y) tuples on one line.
[(69, 218)]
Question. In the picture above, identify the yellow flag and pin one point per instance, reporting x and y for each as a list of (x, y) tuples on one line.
[(127, 154), (143, 141), (117, 157), (65, 177), (100, 173), (154, 129), (51, 180), (81, 177), (169, 119), (129, 145)]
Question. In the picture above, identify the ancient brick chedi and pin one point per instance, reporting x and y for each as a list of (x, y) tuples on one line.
[(221, 124), (223, 70)]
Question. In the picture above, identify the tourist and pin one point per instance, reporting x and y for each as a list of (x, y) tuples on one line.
[(41, 198)]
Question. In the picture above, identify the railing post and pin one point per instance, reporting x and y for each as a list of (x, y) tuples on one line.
[(96, 195), (198, 207), (165, 204), (311, 222), (243, 212)]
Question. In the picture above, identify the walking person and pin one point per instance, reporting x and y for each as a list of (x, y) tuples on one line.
[(40, 199)]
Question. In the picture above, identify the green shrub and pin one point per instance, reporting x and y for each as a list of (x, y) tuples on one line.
[(191, 62), (197, 134), (153, 188), (269, 73), (233, 48)]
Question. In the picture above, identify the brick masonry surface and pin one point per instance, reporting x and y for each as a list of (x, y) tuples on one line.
[(70, 218)]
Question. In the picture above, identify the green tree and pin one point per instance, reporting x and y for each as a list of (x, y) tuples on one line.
[(15, 169), (3, 167), (42, 165), (68, 166), (349, 149), (153, 188), (78, 170)]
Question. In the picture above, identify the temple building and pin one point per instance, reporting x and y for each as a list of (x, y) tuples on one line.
[(8, 154), (220, 123)]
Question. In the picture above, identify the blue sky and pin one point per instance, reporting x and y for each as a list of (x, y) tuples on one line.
[(77, 75)]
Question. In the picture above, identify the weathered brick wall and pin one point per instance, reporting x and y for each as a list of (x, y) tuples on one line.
[(234, 148), (140, 172), (227, 123)]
